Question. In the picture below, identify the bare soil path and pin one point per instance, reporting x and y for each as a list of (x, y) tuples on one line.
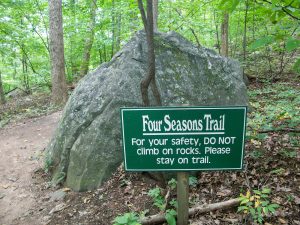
[(21, 149)]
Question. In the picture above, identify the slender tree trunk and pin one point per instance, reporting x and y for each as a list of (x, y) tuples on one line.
[(217, 33), (236, 42), (100, 56), (150, 78), (155, 15), (104, 53), (253, 21), (245, 41), (118, 32), (2, 96), (224, 34), (245, 31), (113, 22), (59, 86), (25, 79), (73, 60), (89, 40)]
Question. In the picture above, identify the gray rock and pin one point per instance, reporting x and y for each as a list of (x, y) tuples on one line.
[(57, 195), (86, 148), (2, 195)]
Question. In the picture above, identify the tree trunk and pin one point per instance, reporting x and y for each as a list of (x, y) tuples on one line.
[(113, 38), (155, 15), (104, 52), (217, 33), (59, 86), (245, 39), (73, 58), (89, 40), (2, 96), (118, 32), (245, 31), (224, 33), (150, 78)]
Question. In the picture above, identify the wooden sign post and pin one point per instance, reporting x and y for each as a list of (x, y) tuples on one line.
[(183, 198), (183, 139)]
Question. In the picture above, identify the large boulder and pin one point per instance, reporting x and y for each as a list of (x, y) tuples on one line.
[(86, 148)]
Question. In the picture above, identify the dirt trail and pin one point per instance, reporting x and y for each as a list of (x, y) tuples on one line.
[(21, 147)]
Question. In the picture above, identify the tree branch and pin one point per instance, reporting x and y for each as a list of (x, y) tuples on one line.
[(288, 13), (160, 218), (142, 11), (280, 130), (193, 32), (283, 8)]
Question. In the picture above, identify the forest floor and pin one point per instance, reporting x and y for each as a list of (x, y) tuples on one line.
[(272, 160)]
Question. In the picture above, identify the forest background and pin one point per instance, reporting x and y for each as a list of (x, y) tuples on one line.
[(262, 34)]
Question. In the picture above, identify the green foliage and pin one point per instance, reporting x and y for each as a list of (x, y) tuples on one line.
[(193, 181), (174, 203), (278, 108), (262, 42), (289, 153), (159, 202), (172, 183), (24, 26), (296, 66), (257, 204), (229, 5), (158, 199), (256, 154), (279, 171), (127, 219), (171, 216), (292, 44)]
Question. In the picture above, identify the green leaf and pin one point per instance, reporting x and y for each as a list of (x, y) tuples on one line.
[(262, 42), (229, 5), (172, 183), (275, 206), (242, 208), (292, 44), (121, 219), (296, 66), (257, 192), (272, 207), (264, 196), (127, 219), (244, 201), (264, 203), (193, 181), (252, 211), (170, 216), (265, 210), (260, 219), (266, 191)]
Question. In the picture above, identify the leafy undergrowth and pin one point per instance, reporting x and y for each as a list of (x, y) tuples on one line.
[(22, 106), (272, 163)]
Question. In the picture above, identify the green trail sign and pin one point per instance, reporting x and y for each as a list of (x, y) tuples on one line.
[(183, 138)]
